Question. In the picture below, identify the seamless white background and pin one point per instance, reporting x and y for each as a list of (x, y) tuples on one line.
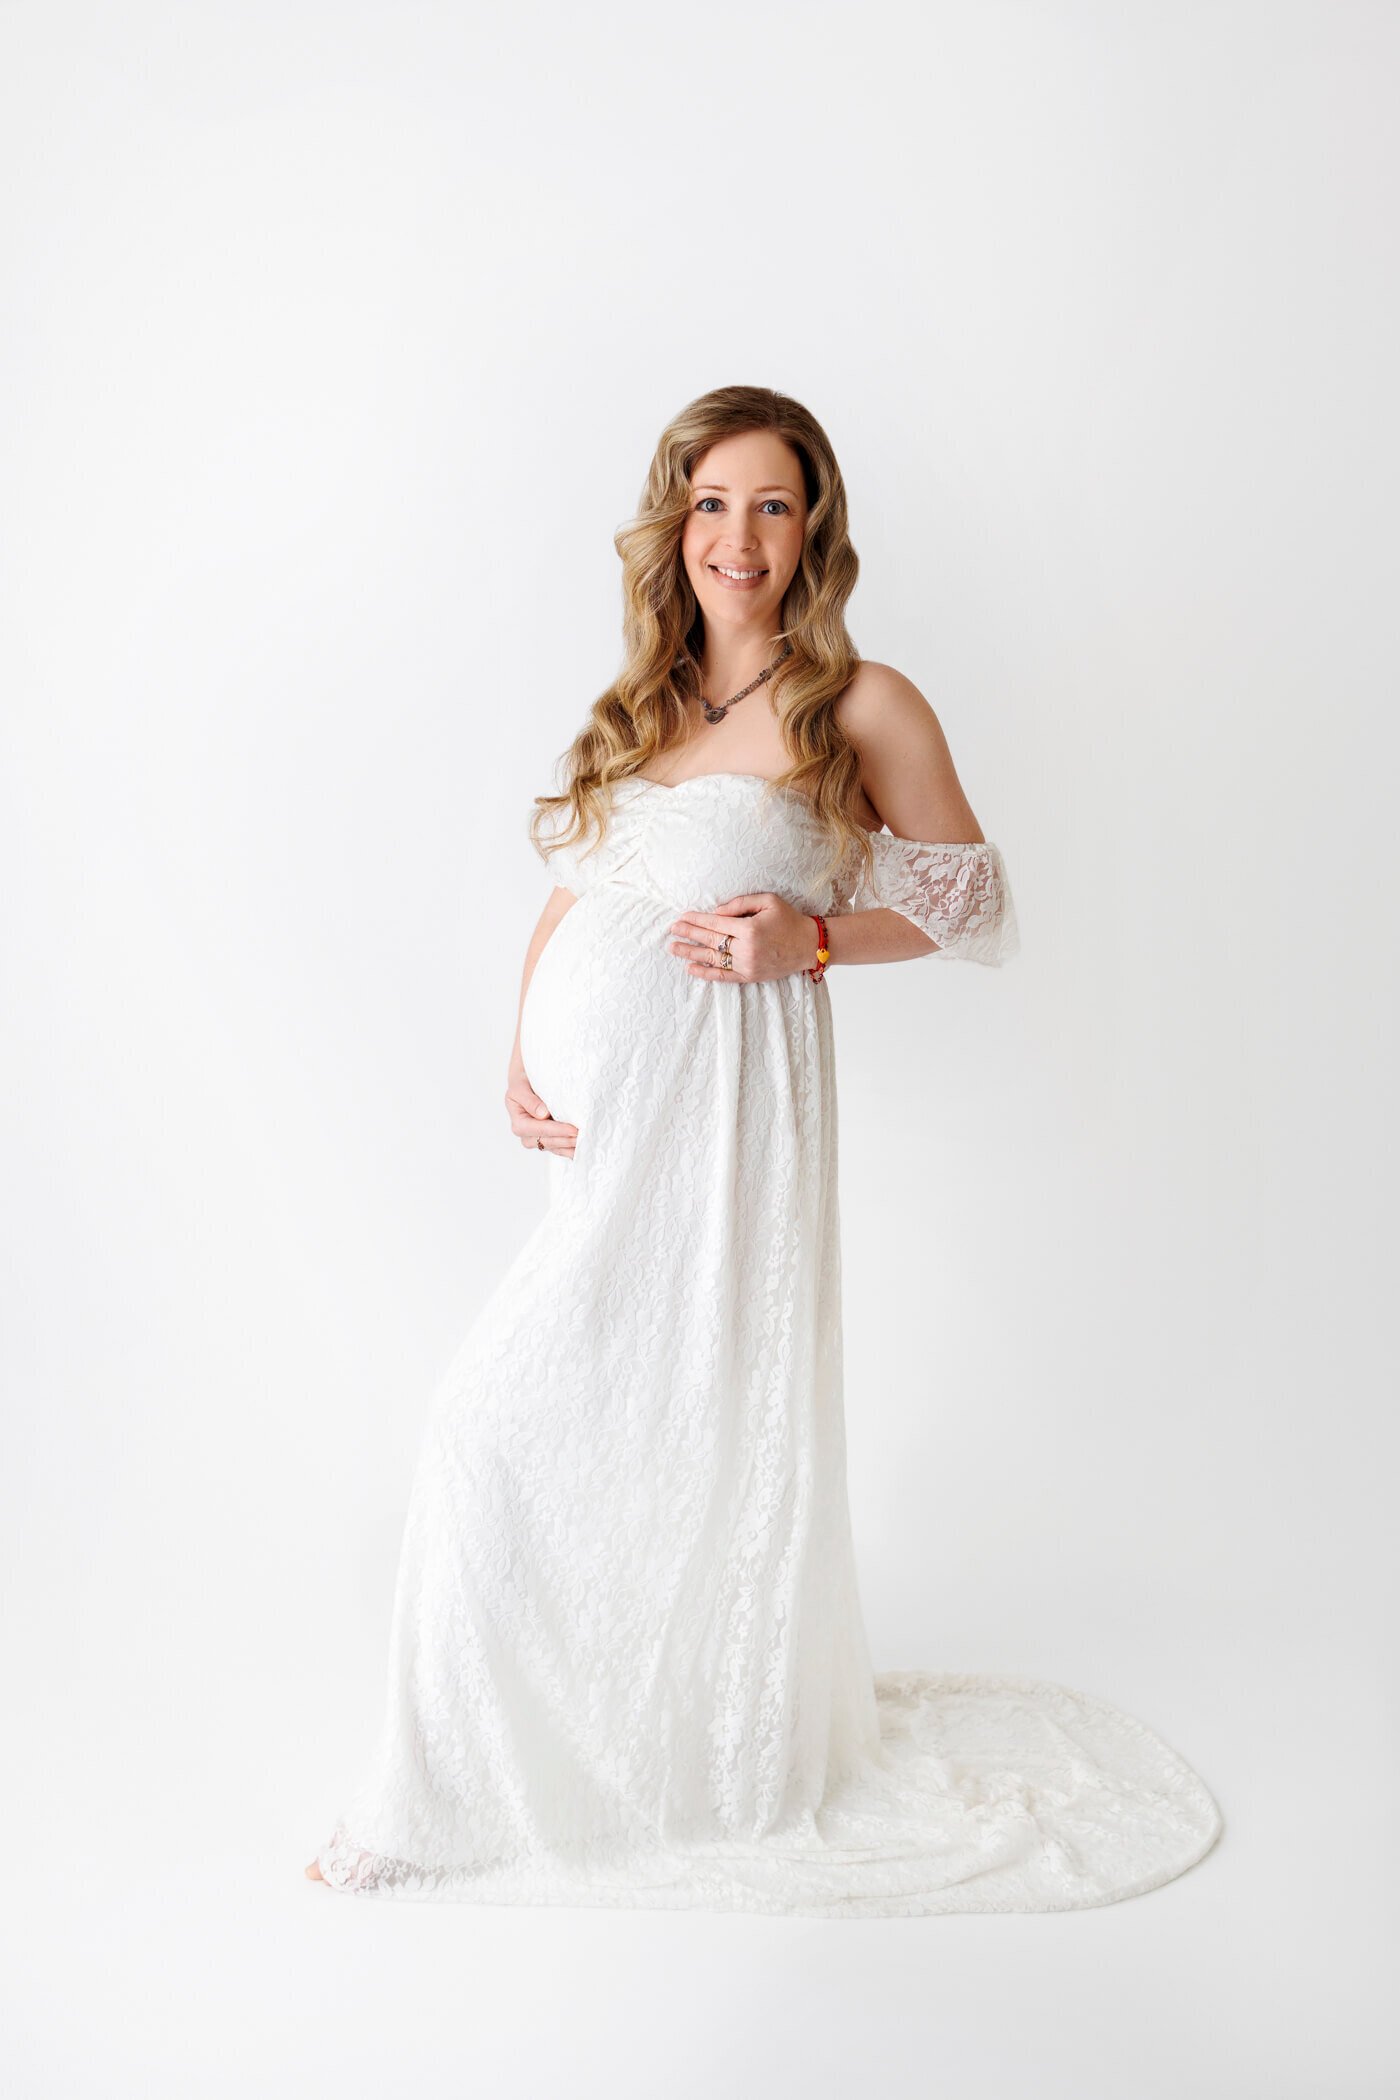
[(336, 342)]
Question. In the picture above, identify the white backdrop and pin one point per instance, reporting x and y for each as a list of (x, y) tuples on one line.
[(337, 341)]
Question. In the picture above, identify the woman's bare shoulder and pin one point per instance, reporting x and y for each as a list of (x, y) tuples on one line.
[(882, 711), (907, 770)]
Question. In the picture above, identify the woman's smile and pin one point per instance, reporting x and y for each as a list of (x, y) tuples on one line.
[(737, 579)]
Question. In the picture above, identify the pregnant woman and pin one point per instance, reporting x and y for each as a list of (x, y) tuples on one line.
[(628, 1664)]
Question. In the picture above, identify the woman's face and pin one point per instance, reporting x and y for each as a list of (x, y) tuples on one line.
[(743, 537)]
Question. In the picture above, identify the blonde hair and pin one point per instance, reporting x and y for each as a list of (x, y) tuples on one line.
[(643, 712)]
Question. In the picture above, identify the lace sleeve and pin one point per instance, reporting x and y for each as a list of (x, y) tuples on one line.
[(572, 867), (584, 862), (958, 895)]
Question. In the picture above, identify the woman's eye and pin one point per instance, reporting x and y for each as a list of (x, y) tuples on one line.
[(770, 503)]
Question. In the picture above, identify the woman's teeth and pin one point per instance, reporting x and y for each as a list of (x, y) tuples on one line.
[(737, 575)]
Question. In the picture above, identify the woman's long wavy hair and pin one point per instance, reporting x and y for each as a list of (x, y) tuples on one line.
[(643, 713)]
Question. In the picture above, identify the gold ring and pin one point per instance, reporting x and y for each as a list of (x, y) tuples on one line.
[(539, 1144), (724, 945)]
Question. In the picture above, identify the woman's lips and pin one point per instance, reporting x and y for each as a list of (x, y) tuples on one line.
[(739, 581)]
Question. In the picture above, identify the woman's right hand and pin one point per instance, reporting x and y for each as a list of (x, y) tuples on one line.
[(531, 1120)]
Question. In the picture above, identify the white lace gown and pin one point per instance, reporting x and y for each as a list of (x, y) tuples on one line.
[(628, 1664)]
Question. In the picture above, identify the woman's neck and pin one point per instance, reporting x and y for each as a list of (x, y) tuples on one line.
[(729, 662)]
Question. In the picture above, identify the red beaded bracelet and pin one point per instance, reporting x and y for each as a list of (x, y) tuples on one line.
[(823, 952)]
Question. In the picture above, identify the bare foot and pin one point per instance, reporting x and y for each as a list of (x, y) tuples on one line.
[(313, 1872)]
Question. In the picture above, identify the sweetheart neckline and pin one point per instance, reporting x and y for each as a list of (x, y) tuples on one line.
[(672, 787), (767, 780)]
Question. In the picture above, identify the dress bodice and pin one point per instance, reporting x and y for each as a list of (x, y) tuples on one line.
[(715, 836)]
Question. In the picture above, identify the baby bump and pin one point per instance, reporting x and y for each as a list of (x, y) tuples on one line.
[(604, 988)]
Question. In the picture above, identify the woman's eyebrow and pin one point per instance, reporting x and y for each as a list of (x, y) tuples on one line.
[(773, 488)]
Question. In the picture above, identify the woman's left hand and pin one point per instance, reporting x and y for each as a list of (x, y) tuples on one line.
[(768, 937)]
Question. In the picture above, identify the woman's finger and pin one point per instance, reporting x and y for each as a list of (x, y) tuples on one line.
[(710, 933), (695, 925), (697, 949), (539, 1140), (531, 1127)]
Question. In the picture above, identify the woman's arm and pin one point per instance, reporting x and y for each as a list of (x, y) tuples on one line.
[(911, 783), (872, 937), (529, 1118), (772, 938), (906, 768)]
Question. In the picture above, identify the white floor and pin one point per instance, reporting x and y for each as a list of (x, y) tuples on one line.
[(162, 1939)]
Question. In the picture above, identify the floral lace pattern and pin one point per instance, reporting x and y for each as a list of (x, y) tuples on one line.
[(957, 895), (628, 1664)]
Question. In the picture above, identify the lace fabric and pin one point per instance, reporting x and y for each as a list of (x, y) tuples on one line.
[(582, 863), (628, 1664), (956, 894)]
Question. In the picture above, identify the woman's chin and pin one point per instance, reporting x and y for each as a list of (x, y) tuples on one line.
[(737, 608)]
